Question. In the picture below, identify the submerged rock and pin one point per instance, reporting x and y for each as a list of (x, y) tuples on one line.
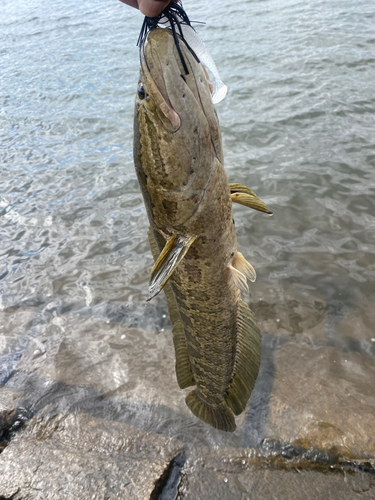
[(318, 398), (312, 412), (357, 328), (109, 358), (16, 336), (288, 313), (79, 456), (12, 415), (236, 475)]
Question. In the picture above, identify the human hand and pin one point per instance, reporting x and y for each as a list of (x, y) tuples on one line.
[(150, 8)]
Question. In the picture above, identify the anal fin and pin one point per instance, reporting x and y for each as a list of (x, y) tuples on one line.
[(184, 373), (247, 360), (167, 262)]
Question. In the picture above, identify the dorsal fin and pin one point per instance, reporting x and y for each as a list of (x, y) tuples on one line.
[(247, 360), (184, 374)]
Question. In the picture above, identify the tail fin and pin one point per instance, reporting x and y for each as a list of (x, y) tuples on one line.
[(218, 416)]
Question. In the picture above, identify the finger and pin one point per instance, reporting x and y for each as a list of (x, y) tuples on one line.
[(132, 3), (152, 8)]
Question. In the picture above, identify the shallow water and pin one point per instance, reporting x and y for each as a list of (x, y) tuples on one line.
[(298, 128)]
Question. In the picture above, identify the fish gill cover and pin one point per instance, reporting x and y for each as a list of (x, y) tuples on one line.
[(174, 17)]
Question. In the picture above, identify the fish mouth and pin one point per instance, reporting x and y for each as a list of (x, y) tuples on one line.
[(164, 78), (154, 65)]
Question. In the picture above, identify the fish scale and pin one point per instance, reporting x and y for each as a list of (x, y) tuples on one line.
[(179, 163)]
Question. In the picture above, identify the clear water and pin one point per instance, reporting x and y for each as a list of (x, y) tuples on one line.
[(298, 128)]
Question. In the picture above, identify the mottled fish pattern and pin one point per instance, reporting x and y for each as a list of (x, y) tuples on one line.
[(179, 163)]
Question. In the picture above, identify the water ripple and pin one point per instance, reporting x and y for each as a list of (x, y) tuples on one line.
[(298, 128)]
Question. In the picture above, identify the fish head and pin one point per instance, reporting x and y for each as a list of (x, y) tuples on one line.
[(164, 87), (177, 133)]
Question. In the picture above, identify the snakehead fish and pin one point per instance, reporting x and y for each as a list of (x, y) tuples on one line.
[(179, 163)]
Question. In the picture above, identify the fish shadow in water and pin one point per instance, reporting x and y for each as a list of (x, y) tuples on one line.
[(254, 428), (50, 397)]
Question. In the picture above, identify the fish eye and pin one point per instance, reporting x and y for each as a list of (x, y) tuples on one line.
[(141, 91)]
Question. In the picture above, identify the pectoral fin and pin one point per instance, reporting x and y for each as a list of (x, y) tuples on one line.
[(171, 255), (240, 188), (245, 196)]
